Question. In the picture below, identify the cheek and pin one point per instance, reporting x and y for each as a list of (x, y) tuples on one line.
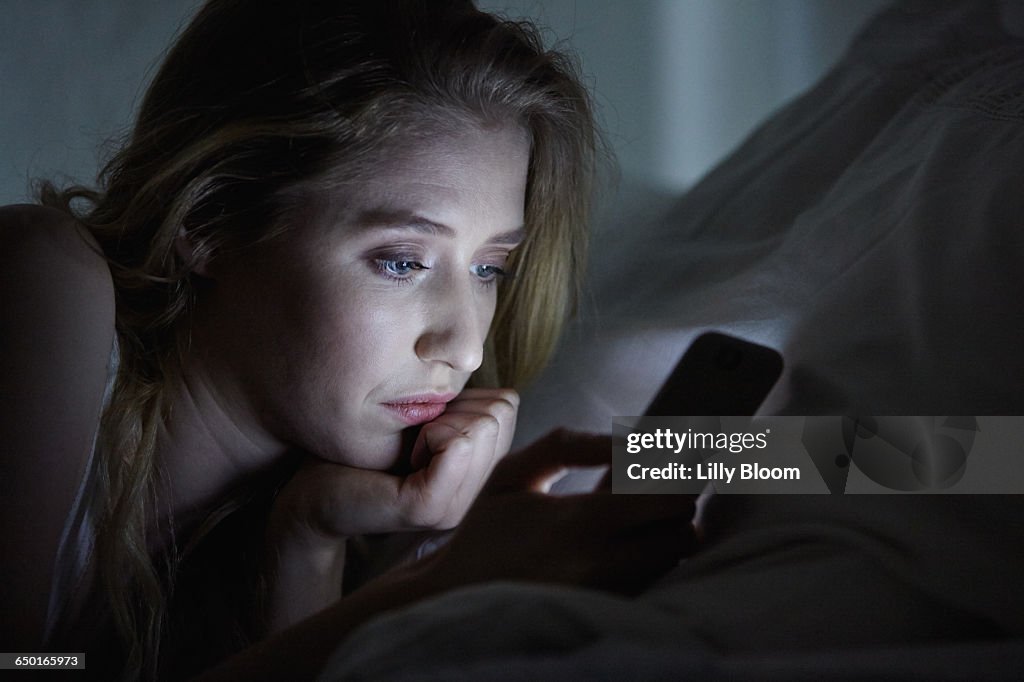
[(353, 339), (485, 308), (491, 306)]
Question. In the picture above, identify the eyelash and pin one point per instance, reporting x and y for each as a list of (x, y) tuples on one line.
[(385, 266), (495, 274), (488, 274)]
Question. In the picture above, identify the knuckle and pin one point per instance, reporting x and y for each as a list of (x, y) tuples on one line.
[(504, 411), (487, 425), (510, 396), (456, 443), (461, 441), (504, 402)]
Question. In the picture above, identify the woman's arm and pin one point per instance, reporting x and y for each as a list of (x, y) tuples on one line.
[(56, 331), (305, 575), (513, 532)]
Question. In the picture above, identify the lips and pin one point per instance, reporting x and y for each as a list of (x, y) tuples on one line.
[(419, 409)]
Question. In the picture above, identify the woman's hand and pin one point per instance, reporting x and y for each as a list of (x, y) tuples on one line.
[(515, 531), (451, 458), (325, 503)]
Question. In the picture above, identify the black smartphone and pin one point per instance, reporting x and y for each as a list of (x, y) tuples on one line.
[(718, 375)]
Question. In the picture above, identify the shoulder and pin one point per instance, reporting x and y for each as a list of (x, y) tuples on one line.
[(39, 235), (56, 296), (53, 278), (57, 317)]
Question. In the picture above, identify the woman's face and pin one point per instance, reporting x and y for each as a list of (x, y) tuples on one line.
[(368, 317)]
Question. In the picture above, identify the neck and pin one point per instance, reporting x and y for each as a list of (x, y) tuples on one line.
[(206, 453)]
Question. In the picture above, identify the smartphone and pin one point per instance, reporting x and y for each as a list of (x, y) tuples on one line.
[(718, 375)]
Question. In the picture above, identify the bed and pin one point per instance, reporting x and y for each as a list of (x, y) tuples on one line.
[(872, 230)]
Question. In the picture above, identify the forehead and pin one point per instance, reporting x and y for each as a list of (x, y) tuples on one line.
[(473, 174)]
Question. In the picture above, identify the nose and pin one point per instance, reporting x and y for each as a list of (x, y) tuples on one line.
[(455, 329)]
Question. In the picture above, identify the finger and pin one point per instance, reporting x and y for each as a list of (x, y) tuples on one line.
[(462, 455), (502, 410), (502, 404), (426, 493), (449, 425), (447, 441), (481, 433), (535, 465), (475, 393), (484, 429)]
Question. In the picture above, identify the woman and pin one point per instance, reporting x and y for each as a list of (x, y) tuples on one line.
[(295, 267)]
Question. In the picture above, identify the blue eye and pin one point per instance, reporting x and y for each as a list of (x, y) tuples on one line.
[(488, 273), (398, 269)]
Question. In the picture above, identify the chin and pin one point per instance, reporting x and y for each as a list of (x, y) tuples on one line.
[(386, 453)]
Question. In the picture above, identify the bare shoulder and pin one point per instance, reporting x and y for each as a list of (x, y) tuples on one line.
[(31, 233), (56, 298), (53, 277), (57, 322)]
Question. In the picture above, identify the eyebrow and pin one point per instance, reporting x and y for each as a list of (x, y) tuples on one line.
[(385, 218)]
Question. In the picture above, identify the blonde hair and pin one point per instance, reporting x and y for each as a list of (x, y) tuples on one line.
[(255, 108)]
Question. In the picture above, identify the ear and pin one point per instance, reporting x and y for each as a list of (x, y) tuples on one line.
[(186, 251)]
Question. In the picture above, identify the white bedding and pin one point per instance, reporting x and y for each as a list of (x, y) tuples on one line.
[(873, 231)]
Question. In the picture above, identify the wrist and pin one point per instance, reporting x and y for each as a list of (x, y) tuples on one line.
[(304, 575)]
